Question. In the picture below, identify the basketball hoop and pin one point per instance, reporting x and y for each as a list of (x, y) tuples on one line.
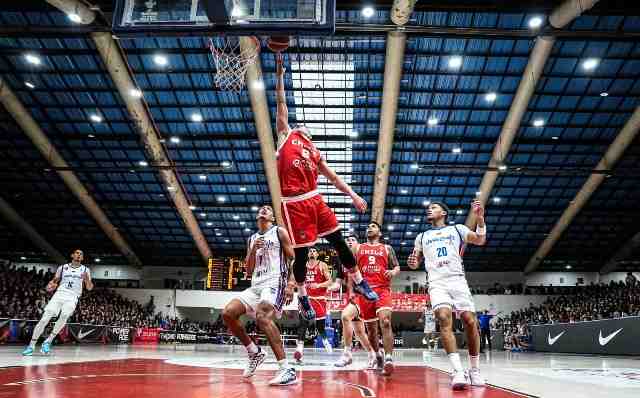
[(232, 61)]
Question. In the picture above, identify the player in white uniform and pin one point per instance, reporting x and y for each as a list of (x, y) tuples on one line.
[(269, 254), (67, 282), (442, 248), (429, 339)]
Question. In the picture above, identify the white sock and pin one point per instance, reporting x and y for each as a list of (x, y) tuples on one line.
[(252, 348), (347, 350), (387, 356), (474, 361), (357, 277), (454, 359), (302, 291), (283, 364), (300, 346)]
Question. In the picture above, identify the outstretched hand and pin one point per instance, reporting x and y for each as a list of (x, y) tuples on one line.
[(51, 286), (359, 203), (477, 208)]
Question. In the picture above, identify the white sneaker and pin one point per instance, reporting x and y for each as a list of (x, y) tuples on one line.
[(284, 377), (345, 359), (476, 378), (459, 381), (327, 345), (372, 364), (255, 360)]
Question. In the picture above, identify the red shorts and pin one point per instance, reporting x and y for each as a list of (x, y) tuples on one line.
[(320, 307), (368, 310), (307, 217)]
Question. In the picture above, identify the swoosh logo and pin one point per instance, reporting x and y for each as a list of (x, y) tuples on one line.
[(82, 335), (604, 341), (553, 340)]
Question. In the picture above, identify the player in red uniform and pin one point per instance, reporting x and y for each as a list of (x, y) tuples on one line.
[(374, 259), (306, 215), (317, 282)]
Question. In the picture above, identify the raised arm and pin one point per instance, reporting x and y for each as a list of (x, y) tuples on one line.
[(479, 236), (324, 169), (282, 118)]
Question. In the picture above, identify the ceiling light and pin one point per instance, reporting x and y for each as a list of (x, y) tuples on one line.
[(390, 227), (97, 260), (243, 189), (192, 207), (236, 217), (535, 22), (456, 150), (225, 163), (175, 140), (490, 97), (23, 258), (30, 85), (396, 211), (538, 123), (426, 203), (432, 121), (590, 64), (209, 223), (386, 238), (226, 241), (555, 137), (567, 266), (496, 200), (242, 223), (404, 191), (403, 243), (258, 85), (368, 12), (416, 219), (203, 214), (143, 163), (459, 211), (221, 199), (202, 177), (353, 134), (455, 62), (135, 93), (452, 222), (218, 233), (254, 208), (502, 167), (604, 94), (33, 59), (415, 166), (478, 193), (96, 118), (73, 17), (160, 60), (247, 230), (196, 118), (91, 136)]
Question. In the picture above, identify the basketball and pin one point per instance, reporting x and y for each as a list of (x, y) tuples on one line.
[(278, 43)]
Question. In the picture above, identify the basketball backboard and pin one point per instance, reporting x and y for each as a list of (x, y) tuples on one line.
[(237, 17)]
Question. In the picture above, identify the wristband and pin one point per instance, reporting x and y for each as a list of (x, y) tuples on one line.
[(481, 231)]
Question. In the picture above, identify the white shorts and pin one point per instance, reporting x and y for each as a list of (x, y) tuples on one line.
[(452, 292), (252, 296), (61, 303)]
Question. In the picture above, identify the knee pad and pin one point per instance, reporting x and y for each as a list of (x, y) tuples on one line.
[(344, 253), (300, 264)]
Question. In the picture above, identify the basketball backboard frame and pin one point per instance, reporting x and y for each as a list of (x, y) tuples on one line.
[(145, 17)]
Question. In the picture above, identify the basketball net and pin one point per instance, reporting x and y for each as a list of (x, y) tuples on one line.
[(232, 60)]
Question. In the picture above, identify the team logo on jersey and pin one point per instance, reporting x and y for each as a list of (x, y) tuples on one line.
[(66, 268)]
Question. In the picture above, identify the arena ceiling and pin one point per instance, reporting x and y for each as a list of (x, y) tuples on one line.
[(446, 128)]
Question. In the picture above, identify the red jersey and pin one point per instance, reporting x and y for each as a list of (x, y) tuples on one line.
[(373, 261), (298, 161), (315, 275)]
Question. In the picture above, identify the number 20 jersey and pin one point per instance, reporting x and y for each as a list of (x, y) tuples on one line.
[(443, 248)]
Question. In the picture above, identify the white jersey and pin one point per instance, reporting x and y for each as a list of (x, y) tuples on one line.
[(71, 280), (443, 248), (429, 321), (270, 265)]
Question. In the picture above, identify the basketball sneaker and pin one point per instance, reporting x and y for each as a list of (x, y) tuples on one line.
[(46, 348), (304, 306), (28, 351), (364, 289), (379, 361), (255, 360), (327, 345), (372, 364), (476, 378), (388, 366), (345, 360), (284, 377), (459, 381)]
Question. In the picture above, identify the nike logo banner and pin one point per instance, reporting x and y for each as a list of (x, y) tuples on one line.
[(87, 333), (553, 340), (606, 340)]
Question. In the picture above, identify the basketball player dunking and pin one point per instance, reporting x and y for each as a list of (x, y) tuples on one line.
[(307, 217), (67, 283), (442, 247), (378, 264), (269, 252), (317, 281)]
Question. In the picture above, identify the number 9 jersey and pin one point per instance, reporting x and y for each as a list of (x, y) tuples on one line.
[(443, 248), (71, 279)]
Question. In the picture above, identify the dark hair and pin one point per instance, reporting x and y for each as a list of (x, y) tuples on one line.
[(352, 236), (443, 206), (378, 225)]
